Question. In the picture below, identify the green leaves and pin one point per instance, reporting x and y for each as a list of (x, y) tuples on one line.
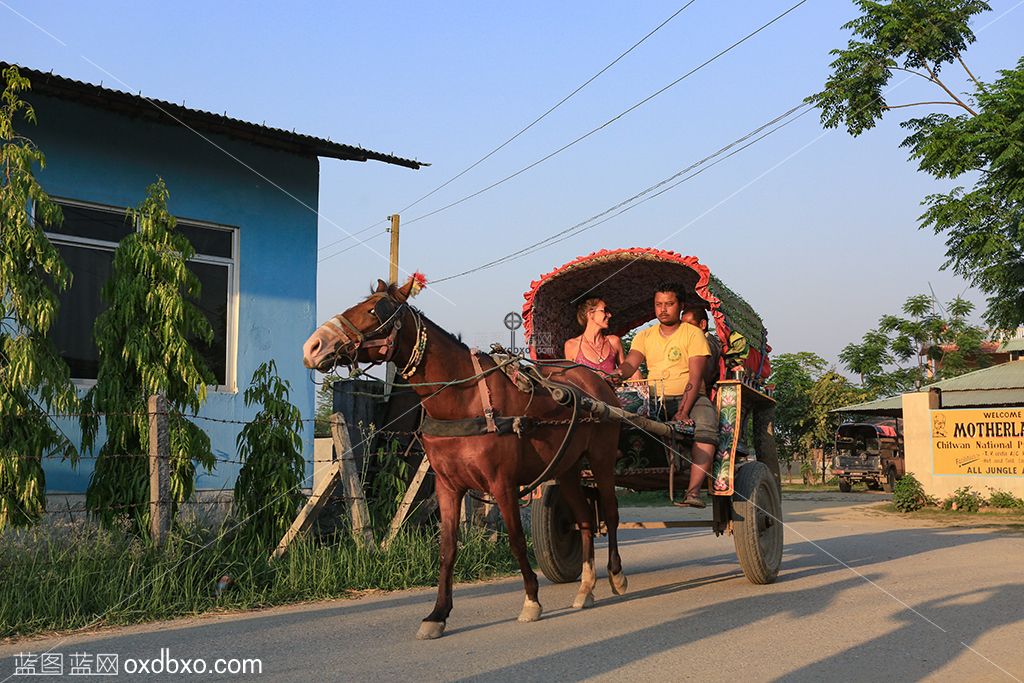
[(939, 339), (268, 491), (982, 225), (916, 36), (34, 381), (143, 342)]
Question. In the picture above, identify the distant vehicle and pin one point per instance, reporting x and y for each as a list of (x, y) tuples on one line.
[(868, 452)]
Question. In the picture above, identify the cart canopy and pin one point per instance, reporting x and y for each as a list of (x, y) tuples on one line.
[(626, 280)]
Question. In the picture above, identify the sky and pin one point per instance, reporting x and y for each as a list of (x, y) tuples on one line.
[(816, 229)]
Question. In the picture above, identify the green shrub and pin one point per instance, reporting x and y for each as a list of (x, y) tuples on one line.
[(1004, 499), (964, 499), (909, 495)]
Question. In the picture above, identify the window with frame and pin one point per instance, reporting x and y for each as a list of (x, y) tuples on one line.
[(86, 241)]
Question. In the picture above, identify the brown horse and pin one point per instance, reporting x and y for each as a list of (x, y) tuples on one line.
[(384, 327)]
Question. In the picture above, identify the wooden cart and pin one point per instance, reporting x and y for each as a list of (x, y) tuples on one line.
[(745, 483)]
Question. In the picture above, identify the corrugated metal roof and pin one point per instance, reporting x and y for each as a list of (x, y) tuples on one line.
[(151, 109), (1012, 345), (999, 385)]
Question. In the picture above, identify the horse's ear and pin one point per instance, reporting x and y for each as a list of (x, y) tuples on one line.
[(381, 286), (416, 282)]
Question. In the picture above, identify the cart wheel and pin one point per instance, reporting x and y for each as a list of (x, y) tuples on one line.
[(757, 528), (556, 540), (890, 480), (845, 485)]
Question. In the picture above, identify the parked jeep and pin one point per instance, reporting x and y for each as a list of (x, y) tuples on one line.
[(872, 453)]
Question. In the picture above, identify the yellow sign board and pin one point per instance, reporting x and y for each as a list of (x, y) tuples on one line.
[(986, 442)]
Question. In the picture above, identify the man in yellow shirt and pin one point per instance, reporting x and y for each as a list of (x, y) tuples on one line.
[(676, 356)]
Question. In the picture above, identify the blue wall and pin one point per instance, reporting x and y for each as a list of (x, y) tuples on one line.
[(98, 156)]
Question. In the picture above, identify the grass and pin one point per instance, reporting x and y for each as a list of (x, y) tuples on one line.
[(986, 516), (55, 579), (642, 499)]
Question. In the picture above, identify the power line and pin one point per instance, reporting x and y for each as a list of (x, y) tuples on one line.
[(353, 246), (528, 126), (611, 120), (645, 195)]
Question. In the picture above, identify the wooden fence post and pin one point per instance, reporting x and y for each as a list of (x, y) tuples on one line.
[(359, 512), (159, 470)]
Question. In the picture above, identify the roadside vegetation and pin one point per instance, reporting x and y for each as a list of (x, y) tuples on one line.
[(999, 506), (56, 578)]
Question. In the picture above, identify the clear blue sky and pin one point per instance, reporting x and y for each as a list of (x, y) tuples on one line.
[(821, 245)]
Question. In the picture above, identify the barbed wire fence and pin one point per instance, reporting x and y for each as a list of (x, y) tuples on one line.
[(209, 503)]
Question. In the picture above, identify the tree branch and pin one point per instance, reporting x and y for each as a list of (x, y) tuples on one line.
[(911, 71), (917, 104), (949, 92), (976, 81)]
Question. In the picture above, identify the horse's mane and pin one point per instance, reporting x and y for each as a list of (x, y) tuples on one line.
[(451, 337)]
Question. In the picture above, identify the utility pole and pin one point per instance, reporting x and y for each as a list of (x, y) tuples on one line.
[(391, 370), (394, 249)]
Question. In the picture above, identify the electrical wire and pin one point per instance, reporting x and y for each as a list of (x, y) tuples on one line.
[(645, 194), (527, 127), (612, 120)]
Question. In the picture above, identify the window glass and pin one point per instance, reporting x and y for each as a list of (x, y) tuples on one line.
[(91, 266), (213, 302), (80, 305), (207, 241), (94, 224)]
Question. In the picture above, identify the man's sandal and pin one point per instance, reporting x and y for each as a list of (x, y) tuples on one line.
[(691, 500)]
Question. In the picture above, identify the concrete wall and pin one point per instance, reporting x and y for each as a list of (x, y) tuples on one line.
[(917, 432), (97, 156)]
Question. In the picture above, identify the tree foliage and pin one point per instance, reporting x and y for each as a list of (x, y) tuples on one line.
[(793, 375), (806, 391), (325, 406), (930, 342), (34, 381), (268, 491), (144, 349), (985, 140)]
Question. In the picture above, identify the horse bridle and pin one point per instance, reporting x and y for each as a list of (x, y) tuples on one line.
[(354, 340)]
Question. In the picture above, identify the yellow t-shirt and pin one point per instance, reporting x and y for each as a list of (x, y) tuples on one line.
[(668, 358)]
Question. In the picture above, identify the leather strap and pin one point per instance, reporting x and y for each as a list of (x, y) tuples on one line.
[(485, 394)]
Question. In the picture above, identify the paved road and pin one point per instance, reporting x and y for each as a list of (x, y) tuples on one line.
[(862, 596)]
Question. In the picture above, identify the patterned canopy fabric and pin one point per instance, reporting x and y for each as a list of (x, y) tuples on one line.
[(626, 279)]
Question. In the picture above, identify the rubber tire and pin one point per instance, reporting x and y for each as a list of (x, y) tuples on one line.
[(845, 485), (757, 535), (890, 480), (557, 543)]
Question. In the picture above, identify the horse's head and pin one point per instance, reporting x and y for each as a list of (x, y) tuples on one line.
[(367, 332)]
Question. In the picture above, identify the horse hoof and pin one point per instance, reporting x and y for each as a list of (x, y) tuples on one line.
[(619, 583), (531, 611), (430, 630), (583, 601)]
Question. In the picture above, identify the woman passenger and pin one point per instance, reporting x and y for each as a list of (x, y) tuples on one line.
[(594, 348)]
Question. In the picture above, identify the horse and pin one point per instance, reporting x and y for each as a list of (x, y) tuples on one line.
[(455, 386)]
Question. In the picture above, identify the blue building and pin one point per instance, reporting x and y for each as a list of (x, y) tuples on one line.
[(247, 197)]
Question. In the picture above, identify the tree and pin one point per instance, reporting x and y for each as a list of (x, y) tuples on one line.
[(144, 349), (325, 406), (983, 226), (926, 344), (268, 491), (34, 381), (793, 375), (830, 391)]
